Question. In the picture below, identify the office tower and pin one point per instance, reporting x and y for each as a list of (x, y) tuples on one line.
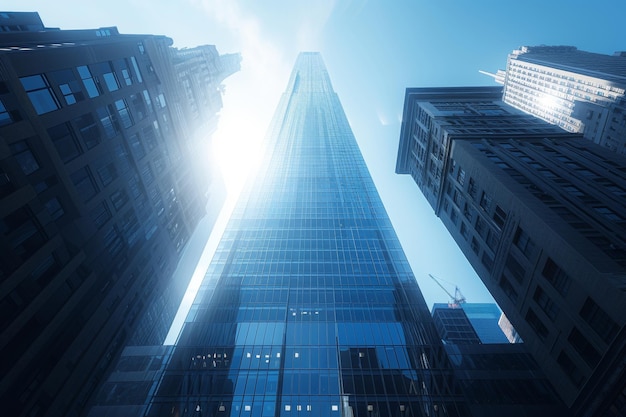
[(453, 325), (539, 215), (309, 305), (99, 195), (582, 92), (468, 323)]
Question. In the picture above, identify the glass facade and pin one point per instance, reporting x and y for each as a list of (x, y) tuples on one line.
[(309, 305)]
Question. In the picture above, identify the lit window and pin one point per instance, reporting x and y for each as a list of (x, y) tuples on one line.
[(40, 94), (88, 81), (68, 85)]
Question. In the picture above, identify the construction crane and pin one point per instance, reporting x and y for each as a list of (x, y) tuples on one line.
[(457, 298)]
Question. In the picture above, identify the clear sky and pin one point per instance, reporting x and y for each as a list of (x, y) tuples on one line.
[(373, 51)]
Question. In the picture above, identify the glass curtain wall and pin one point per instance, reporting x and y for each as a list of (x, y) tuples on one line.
[(309, 306)]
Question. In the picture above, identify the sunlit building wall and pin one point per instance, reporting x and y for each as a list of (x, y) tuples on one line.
[(99, 195), (582, 92), (539, 215)]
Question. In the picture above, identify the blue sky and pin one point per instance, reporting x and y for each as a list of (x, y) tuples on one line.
[(373, 51)]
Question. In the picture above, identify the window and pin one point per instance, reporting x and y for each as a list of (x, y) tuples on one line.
[(523, 242), (545, 303), (572, 372), (24, 157), (146, 173), (92, 88), (100, 214), (5, 116), (537, 325), (499, 217), (54, 208), (108, 121), (487, 261), (556, 276), (107, 173), (608, 213), (125, 117), (68, 85), (119, 198), (481, 227), (64, 141), (508, 289), (460, 177), (108, 75), (464, 231), (583, 347), (471, 188), (136, 147), (485, 201), (475, 246), (40, 94), (599, 320), (515, 268), (122, 66), (113, 242), (139, 106), (88, 129), (84, 184)]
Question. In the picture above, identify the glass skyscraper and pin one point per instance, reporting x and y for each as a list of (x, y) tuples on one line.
[(309, 306)]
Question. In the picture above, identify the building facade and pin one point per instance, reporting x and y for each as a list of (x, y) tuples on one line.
[(582, 92), (309, 305), (539, 215), (468, 323), (99, 195)]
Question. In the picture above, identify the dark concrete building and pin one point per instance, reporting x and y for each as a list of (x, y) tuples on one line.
[(540, 216), (99, 193)]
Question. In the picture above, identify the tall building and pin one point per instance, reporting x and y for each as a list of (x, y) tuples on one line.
[(582, 92), (309, 305), (539, 215), (453, 325), (99, 194), (468, 323)]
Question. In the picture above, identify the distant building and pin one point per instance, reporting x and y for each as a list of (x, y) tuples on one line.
[(453, 325), (99, 194), (468, 323), (539, 214), (582, 92)]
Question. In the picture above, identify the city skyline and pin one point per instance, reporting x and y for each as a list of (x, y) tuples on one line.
[(479, 36)]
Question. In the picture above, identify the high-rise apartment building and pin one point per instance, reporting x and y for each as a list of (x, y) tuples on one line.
[(539, 215), (309, 306), (99, 193), (582, 92)]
